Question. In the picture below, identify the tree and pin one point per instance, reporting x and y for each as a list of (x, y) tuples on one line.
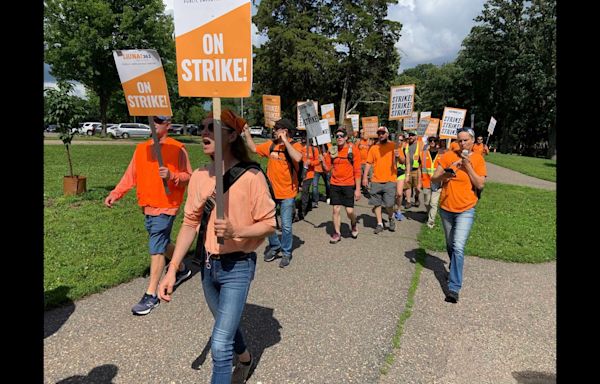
[(65, 111), (80, 35), (516, 83)]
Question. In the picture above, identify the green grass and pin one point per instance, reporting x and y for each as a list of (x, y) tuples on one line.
[(512, 223), (533, 166), (88, 247), (405, 315)]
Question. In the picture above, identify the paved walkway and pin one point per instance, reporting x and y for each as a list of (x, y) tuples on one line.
[(328, 318)]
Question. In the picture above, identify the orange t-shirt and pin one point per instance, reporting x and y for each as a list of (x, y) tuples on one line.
[(343, 172), (381, 156), (454, 146), (363, 146), (247, 201), (285, 185), (457, 193), (480, 148), (310, 162)]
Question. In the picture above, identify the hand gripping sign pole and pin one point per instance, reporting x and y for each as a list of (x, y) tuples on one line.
[(213, 42), (145, 88), (157, 152)]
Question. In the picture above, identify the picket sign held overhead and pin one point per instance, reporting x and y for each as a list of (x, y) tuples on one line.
[(325, 136), (310, 119), (432, 128), (145, 87), (410, 123), (354, 117), (271, 109), (213, 42), (402, 101), (299, 122), (452, 120), (328, 112), (370, 125), (491, 126)]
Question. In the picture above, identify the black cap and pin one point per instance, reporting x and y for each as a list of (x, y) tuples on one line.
[(284, 124)]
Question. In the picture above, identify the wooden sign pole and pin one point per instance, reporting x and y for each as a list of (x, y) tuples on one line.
[(216, 104)]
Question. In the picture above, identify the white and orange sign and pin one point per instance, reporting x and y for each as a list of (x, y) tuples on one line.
[(271, 109), (370, 125), (355, 121), (328, 112), (402, 101), (425, 115), (452, 120), (143, 80), (299, 122), (213, 41), (410, 123), (432, 128)]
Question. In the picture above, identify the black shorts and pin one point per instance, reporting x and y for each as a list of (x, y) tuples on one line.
[(342, 195)]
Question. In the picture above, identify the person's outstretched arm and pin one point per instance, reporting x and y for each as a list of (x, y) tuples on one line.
[(249, 141)]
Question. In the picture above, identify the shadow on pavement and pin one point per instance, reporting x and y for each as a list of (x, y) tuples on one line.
[(99, 375), (55, 318), (533, 377), (261, 331), (433, 263)]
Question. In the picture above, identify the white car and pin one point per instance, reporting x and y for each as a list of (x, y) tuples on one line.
[(258, 131), (89, 128)]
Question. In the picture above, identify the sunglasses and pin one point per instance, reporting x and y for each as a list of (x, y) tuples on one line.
[(381, 132), (211, 127), (340, 135)]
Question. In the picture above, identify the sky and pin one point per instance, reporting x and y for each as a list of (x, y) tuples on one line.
[(432, 31)]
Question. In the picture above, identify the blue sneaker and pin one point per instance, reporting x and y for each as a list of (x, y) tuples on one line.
[(145, 305), (181, 276), (398, 216)]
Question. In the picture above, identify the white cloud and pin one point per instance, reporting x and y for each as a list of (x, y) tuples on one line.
[(432, 30)]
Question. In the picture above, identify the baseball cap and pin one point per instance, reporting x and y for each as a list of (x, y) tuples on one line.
[(161, 119), (284, 124), (382, 128)]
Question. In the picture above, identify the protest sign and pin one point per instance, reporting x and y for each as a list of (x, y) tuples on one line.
[(370, 125), (452, 120), (410, 123), (432, 128), (299, 122), (271, 109), (310, 119), (328, 112), (491, 126), (325, 136), (355, 121), (401, 101)]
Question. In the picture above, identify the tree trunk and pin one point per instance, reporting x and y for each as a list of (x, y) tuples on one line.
[(69, 159), (103, 107), (343, 101)]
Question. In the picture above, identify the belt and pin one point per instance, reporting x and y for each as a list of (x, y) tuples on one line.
[(231, 256)]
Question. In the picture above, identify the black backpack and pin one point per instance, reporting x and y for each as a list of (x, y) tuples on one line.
[(229, 178)]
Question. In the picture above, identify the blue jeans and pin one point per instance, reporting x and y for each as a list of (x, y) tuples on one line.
[(286, 209), (457, 227), (226, 285), (315, 185)]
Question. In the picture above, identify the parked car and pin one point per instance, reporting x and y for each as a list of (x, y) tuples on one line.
[(51, 128), (127, 130), (176, 128), (258, 131), (90, 128), (110, 130), (193, 129)]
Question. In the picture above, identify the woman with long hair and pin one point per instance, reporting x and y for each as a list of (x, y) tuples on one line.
[(228, 268)]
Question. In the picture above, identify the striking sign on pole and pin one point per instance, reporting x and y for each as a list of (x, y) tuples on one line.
[(452, 120), (271, 109), (143, 80), (213, 40), (432, 128), (328, 112), (422, 126), (355, 121), (325, 136), (410, 123), (310, 119), (370, 125), (299, 121), (491, 126), (401, 101)]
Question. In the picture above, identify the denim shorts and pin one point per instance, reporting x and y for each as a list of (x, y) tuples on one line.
[(159, 231)]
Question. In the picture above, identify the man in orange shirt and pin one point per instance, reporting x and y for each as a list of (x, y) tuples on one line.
[(310, 161), (383, 184), (363, 146), (345, 182), (159, 207), (282, 170), (480, 147)]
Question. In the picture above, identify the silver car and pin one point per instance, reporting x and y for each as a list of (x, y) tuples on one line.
[(127, 130)]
